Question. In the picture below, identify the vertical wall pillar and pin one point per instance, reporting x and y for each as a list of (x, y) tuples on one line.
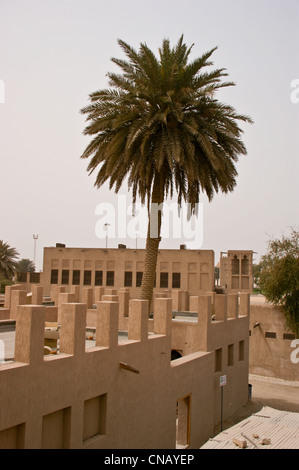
[(107, 324), (124, 299), (204, 308), (18, 297), (193, 303), (176, 296), (98, 292), (138, 320), (63, 298), (29, 340), (8, 291), (111, 291), (37, 295), (185, 300), (244, 304), (51, 314), (109, 298), (55, 291), (232, 305), (163, 316), (76, 291), (221, 307), (72, 328), (87, 296)]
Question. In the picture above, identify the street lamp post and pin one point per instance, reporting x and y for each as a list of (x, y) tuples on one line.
[(106, 227), (35, 237)]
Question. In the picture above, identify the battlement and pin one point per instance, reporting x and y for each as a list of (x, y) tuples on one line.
[(89, 393)]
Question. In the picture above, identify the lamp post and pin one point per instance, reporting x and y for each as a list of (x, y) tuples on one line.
[(106, 228), (35, 237)]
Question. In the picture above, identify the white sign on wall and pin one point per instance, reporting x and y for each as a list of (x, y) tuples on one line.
[(222, 380)]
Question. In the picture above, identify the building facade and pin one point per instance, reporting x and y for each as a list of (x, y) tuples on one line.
[(190, 270)]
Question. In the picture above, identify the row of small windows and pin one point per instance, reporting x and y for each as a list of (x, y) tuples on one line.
[(273, 335), (75, 277), (230, 355)]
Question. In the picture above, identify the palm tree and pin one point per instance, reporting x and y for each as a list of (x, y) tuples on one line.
[(160, 127), (8, 260)]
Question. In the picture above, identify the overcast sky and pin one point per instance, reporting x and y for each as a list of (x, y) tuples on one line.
[(53, 53)]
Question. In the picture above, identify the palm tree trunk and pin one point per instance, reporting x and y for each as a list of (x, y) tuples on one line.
[(152, 242)]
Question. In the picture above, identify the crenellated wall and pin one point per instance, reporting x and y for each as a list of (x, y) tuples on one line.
[(112, 393), (222, 327)]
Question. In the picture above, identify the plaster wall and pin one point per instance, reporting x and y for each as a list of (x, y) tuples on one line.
[(121, 393), (108, 396), (271, 344)]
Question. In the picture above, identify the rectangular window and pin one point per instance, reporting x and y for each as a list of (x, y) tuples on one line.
[(54, 276), (87, 278), (65, 276), (110, 278), (76, 277), (98, 281), (289, 336), (270, 334), (164, 280), (241, 350), (128, 278), (139, 275), (218, 360), (230, 355), (176, 280)]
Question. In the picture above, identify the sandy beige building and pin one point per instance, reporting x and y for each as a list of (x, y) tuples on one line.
[(274, 349), (112, 382), (236, 270), (191, 270)]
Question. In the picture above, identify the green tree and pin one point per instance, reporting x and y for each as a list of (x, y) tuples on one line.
[(160, 127), (279, 277), (25, 265), (8, 260)]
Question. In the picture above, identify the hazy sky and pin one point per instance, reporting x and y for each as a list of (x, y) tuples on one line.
[(53, 53)]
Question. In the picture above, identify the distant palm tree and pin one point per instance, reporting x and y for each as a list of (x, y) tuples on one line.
[(25, 265), (160, 126), (8, 260)]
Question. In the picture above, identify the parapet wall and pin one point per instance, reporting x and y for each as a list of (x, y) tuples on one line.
[(222, 327), (89, 396)]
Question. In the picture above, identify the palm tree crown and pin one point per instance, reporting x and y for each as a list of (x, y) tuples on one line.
[(160, 127)]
